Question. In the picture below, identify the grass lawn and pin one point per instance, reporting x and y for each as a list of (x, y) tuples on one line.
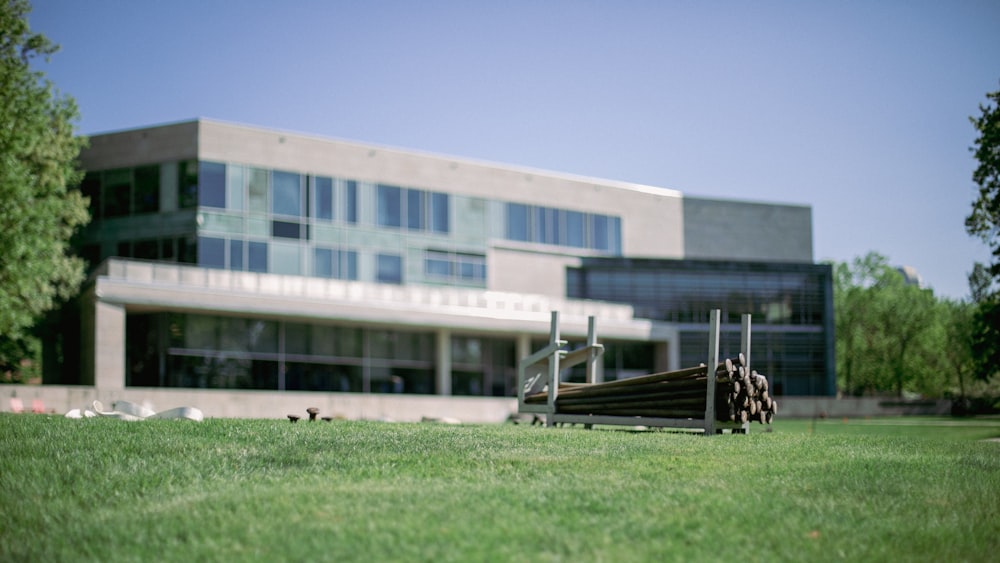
[(224, 490)]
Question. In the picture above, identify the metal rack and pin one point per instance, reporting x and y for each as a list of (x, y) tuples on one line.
[(540, 371)]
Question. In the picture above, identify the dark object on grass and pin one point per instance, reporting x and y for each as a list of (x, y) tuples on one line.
[(313, 411), (293, 418), (327, 418)]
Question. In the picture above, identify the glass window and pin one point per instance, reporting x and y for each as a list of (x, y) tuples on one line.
[(323, 264), (212, 252), (258, 186), (257, 256), (212, 184), (415, 210), (599, 231), (187, 184), (187, 250), (389, 206), (439, 213), (575, 232), (349, 267), (147, 189), (389, 268), (146, 249), (117, 192), (517, 222), (615, 235), (286, 229), (286, 259), (351, 206), (437, 264), (236, 254), (235, 192), (323, 199), (287, 193), (168, 249)]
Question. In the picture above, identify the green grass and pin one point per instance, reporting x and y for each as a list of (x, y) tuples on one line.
[(224, 490)]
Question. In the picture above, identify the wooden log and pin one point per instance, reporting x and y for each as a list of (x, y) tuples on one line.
[(603, 390), (659, 396), (595, 408)]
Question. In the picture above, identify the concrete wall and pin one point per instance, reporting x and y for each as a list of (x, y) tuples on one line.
[(740, 230), (142, 146), (218, 403)]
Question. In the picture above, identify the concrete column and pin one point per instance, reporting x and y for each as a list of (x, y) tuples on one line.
[(522, 346), (108, 346), (443, 363)]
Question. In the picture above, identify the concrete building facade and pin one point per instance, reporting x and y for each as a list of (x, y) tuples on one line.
[(238, 259)]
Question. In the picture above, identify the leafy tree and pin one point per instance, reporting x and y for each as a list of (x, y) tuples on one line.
[(984, 222), (885, 330), (39, 213)]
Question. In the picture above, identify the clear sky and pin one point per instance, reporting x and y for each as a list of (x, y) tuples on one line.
[(858, 109)]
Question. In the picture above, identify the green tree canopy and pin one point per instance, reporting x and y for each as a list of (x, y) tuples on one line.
[(984, 222), (887, 337), (38, 156)]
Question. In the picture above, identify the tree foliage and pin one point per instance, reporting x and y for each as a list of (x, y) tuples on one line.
[(38, 154), (984, 222), (888, 333)]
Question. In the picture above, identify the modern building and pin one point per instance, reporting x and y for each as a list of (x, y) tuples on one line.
[(228, 257)]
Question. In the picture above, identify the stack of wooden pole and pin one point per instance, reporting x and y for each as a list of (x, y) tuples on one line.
[(739, 396)]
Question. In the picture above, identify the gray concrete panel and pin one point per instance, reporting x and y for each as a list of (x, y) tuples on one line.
[(741, 230)]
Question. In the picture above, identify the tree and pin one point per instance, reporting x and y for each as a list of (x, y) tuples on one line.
[(39, 210), (984, 222), (885, 330)]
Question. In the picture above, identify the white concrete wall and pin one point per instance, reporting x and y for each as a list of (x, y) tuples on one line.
[(218, 403)]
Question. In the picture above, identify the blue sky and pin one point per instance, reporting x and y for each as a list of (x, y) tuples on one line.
[(858, 109)]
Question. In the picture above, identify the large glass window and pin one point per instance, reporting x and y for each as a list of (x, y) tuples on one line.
[(517, 222), (351, 201), (440, 213), (286, 229), (258, 184), (323, 198), (212, 252), (462, 267), (187, 184), (332, 263), (236, 188), (415, 210), (576, 234), (286, 259), (388, 206), (212, 184), (257, 256), (389, 268), (117, 192), (236, 254), (287, 194), (599, 228), (147, 189)]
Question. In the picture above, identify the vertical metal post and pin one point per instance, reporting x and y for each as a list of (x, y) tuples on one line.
[(553, 379), (592, 353), (713, 363), (745, 350)]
